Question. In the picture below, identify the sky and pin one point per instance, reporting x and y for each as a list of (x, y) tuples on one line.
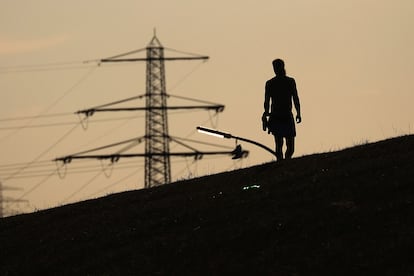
[(352, 61)]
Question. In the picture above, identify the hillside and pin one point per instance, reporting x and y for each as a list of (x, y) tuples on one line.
[(349, 212)]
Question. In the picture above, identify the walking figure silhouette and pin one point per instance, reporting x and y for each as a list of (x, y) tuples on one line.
[(277, 118)]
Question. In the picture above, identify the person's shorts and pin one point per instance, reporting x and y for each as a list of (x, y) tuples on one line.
[(282, 126)]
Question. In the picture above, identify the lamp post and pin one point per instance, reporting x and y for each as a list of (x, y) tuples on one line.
[(226, 135)]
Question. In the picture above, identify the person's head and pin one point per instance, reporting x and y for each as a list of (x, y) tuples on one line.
[(279, 67)]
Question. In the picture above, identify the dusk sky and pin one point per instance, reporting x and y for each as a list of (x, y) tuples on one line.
[(352, 61)]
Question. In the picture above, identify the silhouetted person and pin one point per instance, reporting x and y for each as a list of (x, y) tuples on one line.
[(280, 91)]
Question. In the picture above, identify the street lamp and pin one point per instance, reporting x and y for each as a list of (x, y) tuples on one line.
[(227, 135)]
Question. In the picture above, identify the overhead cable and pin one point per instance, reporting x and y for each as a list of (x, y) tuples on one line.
[(42, 153), (37, 185), (68, 123), (44, 112), (35, 117), (82, 187)]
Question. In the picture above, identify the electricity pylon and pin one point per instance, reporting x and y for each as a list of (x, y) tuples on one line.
[(4, 200), (157, 153), (157, 160), (157, 168)]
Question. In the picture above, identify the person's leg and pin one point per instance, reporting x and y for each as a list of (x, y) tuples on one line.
[(279, 146), (290, 147)]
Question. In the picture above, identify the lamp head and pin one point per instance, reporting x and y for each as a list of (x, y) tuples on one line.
[(213, 132)]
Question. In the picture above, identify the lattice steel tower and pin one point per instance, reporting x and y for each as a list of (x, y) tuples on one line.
[(5, 200), (157, 150), (157, 167)]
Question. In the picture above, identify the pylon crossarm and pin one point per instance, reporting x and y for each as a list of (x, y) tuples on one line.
[(103, 108), (217, 108), (155, 44), (131, 155), (133, 141), (154, 59)]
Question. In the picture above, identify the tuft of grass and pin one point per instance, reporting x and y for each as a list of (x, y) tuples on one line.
[(360, 142)]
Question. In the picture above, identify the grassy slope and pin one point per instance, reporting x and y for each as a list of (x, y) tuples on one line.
[(341, 213)]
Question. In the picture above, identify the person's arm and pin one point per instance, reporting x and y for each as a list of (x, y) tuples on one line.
[(296, 102), (267, 100), (266, 109)]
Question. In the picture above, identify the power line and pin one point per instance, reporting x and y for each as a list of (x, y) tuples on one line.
[(48, 163), (119, 126), (182, 79), (120, 101), (134, 173), (43, 69), (67, 92), (58, 124), (124, 54), (183, 52), (117, 182), (74, 172), (136, 139), (38, 184), (192, 99), (42, 154), (38, 126), (14, 165), (53, 66), (35, 117), (200, 142), (30, 173), (38, 164), (138, 51), (21, 167), (82, 187), (104, 107), (185, 168), (38, 65), (57, 66), (68, 123), (47, 167)]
